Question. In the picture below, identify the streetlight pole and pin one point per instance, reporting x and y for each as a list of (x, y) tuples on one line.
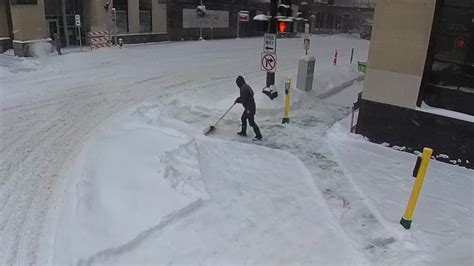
[(273, 25), (200, 27)]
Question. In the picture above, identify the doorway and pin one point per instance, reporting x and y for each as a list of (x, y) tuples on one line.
[(53, 27)]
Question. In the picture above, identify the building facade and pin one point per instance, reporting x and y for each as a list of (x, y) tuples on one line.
[(419, 88), (340, 16), (25, 22)]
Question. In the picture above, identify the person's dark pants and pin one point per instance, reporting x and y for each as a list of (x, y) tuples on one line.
[(58, 49), (247, 115)]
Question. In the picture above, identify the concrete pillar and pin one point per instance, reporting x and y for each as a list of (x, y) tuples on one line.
[(29, 28), (4, 32), (63, 10), (97, 15), (159, 17), (133, 16), (28, 22), (398, 50)]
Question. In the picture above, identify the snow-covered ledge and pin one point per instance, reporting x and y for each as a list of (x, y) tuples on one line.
[(31, 47), (446, 113)]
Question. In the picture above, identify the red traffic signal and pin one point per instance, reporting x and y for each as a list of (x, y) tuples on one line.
[(461, 43), (281, 26)]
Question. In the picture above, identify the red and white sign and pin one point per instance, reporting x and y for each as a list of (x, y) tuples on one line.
[(99, 39), (244, 16), (268, 62)]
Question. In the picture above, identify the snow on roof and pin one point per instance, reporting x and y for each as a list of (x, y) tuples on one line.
[(261, 17), (290, 19)]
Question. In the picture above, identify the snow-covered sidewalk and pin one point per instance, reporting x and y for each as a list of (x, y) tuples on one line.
[(150, 190), (442, 232)]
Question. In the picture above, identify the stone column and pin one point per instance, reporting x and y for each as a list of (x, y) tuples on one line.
[(29, 28), (133, 16), (159, 17), (97, 15), (4, 32)]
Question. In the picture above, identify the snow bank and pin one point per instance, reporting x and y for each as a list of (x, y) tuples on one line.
[(4, 73), (129, 178), (150, 190), (40, 49), (264, 209), (442, 228)]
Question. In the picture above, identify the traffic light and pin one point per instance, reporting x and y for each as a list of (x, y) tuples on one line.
[(282, 26), (284, 8), (461, 43)]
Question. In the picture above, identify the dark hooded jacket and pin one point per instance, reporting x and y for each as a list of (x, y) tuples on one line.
[(246, 95)]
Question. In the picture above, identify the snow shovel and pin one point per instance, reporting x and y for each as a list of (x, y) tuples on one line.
[(210, 129)]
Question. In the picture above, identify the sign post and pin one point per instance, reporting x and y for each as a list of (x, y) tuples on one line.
[(242, 16), (307, 42), (270, 82), (78, 26), (114, 20)]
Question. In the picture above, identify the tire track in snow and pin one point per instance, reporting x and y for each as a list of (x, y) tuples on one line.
[(31, 164), (135, 242)]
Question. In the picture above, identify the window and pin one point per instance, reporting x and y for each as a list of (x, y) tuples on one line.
[(145, 16), (121, 7), (449, 80), (24, 2)]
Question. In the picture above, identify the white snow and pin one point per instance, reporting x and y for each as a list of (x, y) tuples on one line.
[(33, 41), (50, 107), (444, 156), (129, 177), (103, 162), (444, 112), (442, 230), (240, 206), (261, 17)]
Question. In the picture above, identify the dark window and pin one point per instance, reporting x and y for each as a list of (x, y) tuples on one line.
[(121, 7), (145, 16), (24, 2), (449, 80)]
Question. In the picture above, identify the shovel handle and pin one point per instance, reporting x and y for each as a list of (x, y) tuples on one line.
[(226, 112)]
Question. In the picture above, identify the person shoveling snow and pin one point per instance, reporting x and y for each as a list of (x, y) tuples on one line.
[(247, 100)]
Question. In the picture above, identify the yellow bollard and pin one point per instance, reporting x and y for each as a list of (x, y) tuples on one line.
[(415, 193), (286, 118)]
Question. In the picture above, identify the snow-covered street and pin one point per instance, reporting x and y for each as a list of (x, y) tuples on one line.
[(103, 161)]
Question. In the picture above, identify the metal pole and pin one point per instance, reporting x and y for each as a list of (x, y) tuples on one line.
[(80, 38), (63, 6), (200, 31), (352, 55), (238, 25), (200, 26), (273, 24)]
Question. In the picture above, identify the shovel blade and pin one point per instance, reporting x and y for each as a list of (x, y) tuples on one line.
[(209, 130)]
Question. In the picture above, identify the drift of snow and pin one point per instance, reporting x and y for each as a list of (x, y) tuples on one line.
[(150, 190)]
